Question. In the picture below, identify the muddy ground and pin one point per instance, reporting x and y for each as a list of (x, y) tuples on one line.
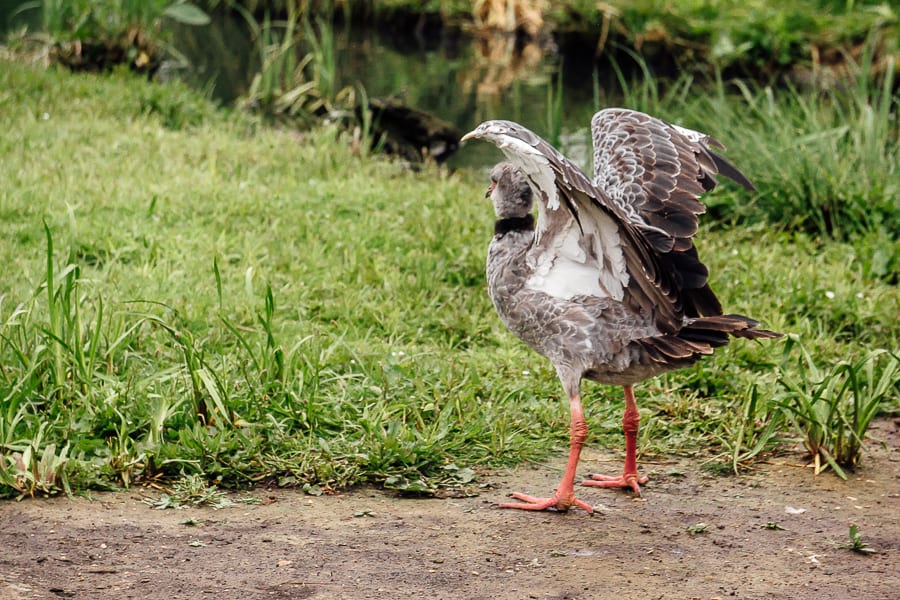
[(771, 534)]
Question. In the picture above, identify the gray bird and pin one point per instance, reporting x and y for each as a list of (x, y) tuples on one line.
[(607, 284)]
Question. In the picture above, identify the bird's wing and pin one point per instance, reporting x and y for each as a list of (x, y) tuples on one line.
[(584, 244), (655, 173)]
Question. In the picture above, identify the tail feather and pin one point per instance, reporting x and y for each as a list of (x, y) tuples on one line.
[(736, 325), (700, 336), (725, 323), (757, 334)]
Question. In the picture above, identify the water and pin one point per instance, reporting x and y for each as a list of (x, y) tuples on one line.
[(463, 79), (460, 78), (16, 13)]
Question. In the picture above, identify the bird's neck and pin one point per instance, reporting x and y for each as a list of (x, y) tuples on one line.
[(507, 224)]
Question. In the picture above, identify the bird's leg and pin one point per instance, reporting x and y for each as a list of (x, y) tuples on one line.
[(629, 477), (564, 498)]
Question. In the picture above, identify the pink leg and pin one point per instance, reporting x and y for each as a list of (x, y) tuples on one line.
[(629, 477), (564, 498)]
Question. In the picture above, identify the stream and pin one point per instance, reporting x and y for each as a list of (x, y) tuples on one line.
[(460, 77)]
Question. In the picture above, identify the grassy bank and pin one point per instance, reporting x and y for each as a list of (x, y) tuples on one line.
[(187, 292), (759, 38)]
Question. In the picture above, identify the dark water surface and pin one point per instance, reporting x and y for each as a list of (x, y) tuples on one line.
[(461, 78)]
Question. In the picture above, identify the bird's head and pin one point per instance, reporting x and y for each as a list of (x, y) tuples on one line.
[(491, 131), (527, 167), (509, 191), (510, 137)]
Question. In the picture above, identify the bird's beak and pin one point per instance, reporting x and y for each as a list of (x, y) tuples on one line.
[(468, 136), (490, 189)]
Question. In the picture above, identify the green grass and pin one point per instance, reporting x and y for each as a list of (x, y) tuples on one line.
[(99, 35), (187, 292), (832, 409), (107, 19), (281, 87), (856, 543), (758, 38)]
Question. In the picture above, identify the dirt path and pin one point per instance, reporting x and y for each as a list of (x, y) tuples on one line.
[(368, 544)]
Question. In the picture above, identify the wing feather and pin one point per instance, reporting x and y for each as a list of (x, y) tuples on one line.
[(621, 253), (628, 233), (655, 173)]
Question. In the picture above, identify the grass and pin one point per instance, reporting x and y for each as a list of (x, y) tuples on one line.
[(188, 293), (300, 92), (833, 409), (759, 39), (99, 35), (108, 19), (756, 38), (193, 491), (281, 85)]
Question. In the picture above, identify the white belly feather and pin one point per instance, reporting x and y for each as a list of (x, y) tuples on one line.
[(575, 263), (569, 260)]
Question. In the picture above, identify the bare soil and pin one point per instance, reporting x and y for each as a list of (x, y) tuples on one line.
[(371, 544)]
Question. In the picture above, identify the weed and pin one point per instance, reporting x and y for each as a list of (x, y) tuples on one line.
[(38, 469), (759, 38), (758, 429), (832, 409), (321, 41), (823, 163), (85, 19), (305, 90), (281, 86), (843, 183), (555, 108), (856, 543), (99, 35), (698, 528), (193, 491)]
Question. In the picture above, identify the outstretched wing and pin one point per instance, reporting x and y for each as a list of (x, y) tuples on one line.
[(655, 172), (585, 244)]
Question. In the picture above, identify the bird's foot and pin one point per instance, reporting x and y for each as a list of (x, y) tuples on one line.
[(625, 480), (559, 501)]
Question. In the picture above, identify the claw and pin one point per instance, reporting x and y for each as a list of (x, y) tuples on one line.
[(625, 480), (556, 501)]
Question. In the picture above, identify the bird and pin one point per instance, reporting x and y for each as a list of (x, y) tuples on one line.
[(606, 283)]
